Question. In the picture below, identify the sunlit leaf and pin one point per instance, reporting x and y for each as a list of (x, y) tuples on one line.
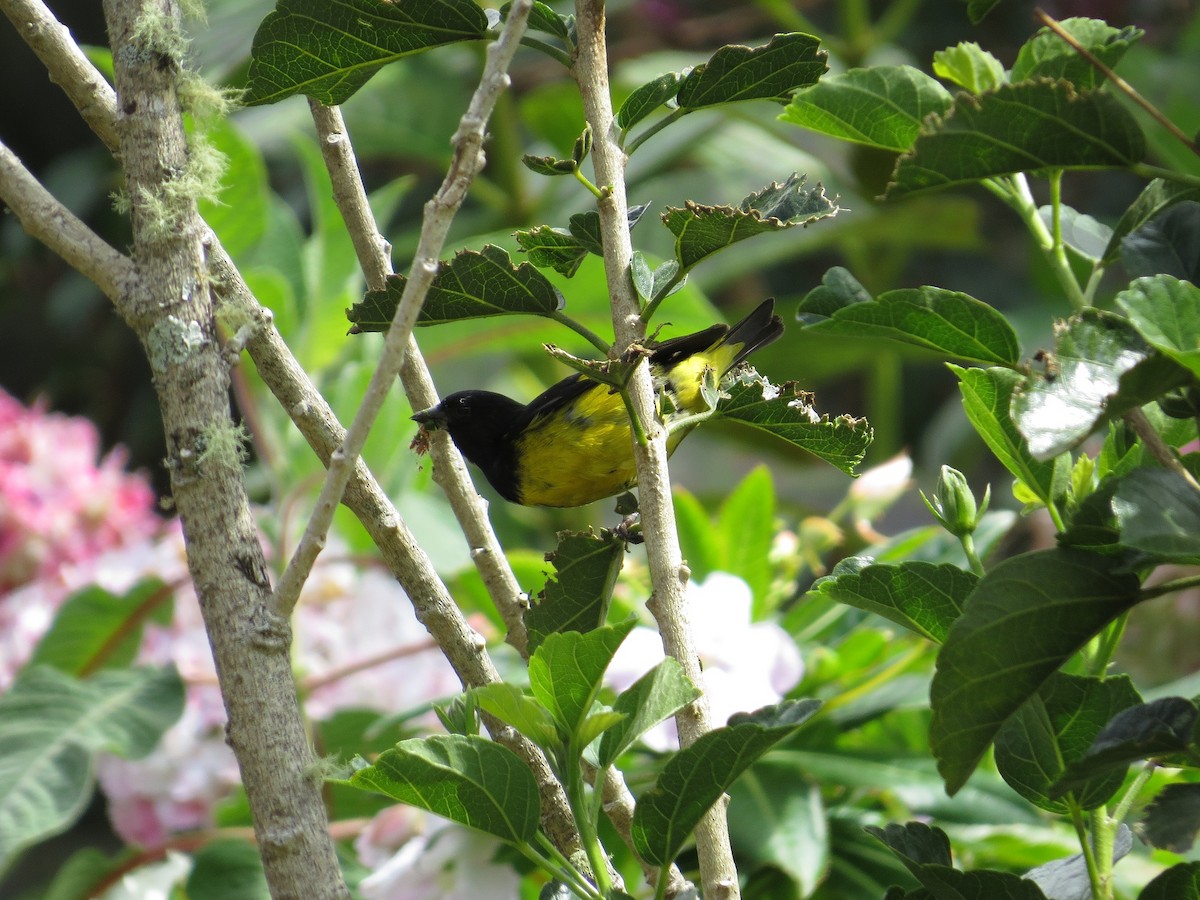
[(327, 51), (882, 106)]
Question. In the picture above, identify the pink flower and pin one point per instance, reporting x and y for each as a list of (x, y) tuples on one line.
[(58, 505)]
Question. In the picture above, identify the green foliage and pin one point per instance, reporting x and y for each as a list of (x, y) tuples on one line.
[(54, 727)]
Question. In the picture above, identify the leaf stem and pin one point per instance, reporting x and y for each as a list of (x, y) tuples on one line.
[(1153, 441), (549, 49), (1015, 192), (558, 866), (1148, 171), (592, 189), (654, 129), (1104, 831), (579, 328), (1085, 845), (1121, 810), (1169, 587), (585, 820), (968, 544)]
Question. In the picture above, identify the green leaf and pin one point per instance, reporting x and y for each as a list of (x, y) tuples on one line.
[(543, 18), (597, 724), (227, 870), (978, 9), (467, 779), (696, 776), (95, 629), (647, 98), (1172, 819), (787, 413), (566, 670), (550, 166), (473, 285), (701, 231), (1161, 728), (1169, 244), (1100, 369), (239, 212), (652, 283), (553, 248), (1046, 55), (970, 66), (915, 843), (661, 692), (1166, 312), (1019, 128), (1158, 513), (923, 597), (511, 704), (54, 726), (1180, 882), (987, 397), (746, 521), (946, 322), (776, 818), (771, 72), (327, 51), (1054, 728), (925, 852), (882, 106), (1155, 197), (1068, 877), (838, 289), (1027, 616), (585, 227), (1081, 233), (85, 874), (586, 566)]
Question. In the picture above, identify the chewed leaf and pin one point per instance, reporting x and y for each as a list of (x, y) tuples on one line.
[(1046, 55), (473, 285), (701, 231), (1019, 128), (788, 413)]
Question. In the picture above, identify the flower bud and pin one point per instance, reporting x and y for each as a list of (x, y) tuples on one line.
[(953, 504)]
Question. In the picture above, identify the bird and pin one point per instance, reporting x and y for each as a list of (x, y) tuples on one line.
[(572, 444)]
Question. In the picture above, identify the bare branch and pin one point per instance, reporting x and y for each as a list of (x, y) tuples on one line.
[(47, 220), (667, 569), (171, 309), (439, 212), (463, 647), (68, 67), (374, 255)]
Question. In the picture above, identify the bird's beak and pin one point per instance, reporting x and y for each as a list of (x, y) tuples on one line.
[(431, 419)]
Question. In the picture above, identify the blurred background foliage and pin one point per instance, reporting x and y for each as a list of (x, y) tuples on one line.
[(59, 338)]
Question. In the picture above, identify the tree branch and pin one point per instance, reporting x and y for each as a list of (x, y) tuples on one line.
[(667, 569), (439, 212), (435, 609), (47, 220), (171, 309), (374, 256)]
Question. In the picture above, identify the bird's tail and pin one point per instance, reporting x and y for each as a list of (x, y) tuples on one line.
[(758, 329)]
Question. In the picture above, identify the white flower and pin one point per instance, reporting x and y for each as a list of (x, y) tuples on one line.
[(747, 664), (444, 860)]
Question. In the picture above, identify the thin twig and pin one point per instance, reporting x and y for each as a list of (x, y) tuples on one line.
[(439, 212), (1129, 90), (374, 255), (47, 220), (1158, 448), (667, 569)]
